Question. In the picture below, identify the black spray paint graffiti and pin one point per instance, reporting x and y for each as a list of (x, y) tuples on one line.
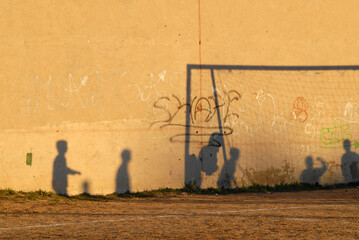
[(203, 113)]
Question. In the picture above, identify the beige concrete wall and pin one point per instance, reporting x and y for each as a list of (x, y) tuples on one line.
[(104, 75)]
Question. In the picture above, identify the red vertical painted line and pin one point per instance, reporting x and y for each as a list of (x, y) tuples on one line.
[(200, 55), (199, 36)]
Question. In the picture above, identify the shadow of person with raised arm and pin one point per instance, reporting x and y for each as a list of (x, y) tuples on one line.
[(60, 170), (122, 177), (312, 175), (206, 161), (350, 162), (226, 178), (208, 154)]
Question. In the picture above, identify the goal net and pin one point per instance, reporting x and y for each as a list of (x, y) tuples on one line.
[(272, 119)]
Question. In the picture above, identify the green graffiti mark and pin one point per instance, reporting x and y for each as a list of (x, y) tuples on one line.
[(333, 135), (356, 144), (29, 159)]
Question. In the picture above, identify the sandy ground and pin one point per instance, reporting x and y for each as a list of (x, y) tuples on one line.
[(331, 214)]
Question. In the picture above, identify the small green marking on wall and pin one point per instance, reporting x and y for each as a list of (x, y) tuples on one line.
[(29, 159)]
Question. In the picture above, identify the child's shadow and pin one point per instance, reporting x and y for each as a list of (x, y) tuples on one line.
[(226, 178), (122, 177), (60, 170)]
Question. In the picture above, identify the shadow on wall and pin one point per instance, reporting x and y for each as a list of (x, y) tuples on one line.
[(208, 154), (350, 162), (86, 187), (226, 178), (310, 174), (122, 177), (206, 162), (60, 170), (207, 157)]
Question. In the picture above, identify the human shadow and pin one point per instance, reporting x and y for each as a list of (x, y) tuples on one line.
[(226, 178), (193, 173), (122, 177), (349, 164), (86, 187), (60, 170), (208, 154), (312, 175), (206, 162)]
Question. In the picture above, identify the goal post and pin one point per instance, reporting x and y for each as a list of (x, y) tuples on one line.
[(272, 115)]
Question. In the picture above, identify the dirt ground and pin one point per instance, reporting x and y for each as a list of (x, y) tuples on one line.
[(329, 214)]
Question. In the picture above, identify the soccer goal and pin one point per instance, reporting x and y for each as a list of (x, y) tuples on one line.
[(243, 120)]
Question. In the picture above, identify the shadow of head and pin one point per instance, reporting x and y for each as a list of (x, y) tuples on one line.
[(346, 145), (61, 146), (126, 156), (215, 140), (235, 154)]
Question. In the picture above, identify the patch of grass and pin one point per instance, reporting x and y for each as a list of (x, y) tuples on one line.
[(20, 196), (32, 196), (7, 192), (40, 194), (88, 197)]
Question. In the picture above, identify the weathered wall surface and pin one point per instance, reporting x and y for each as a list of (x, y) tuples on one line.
[(96, 95)]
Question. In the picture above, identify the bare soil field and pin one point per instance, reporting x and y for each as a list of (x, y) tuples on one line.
[(322, 214)]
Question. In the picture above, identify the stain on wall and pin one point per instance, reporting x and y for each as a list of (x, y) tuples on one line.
[(29, 159)]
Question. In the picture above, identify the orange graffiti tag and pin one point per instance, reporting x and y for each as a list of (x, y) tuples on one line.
[(300, 107)]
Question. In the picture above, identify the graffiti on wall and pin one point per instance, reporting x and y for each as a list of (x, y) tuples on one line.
[(84, 91), (171, 112), (89, 90), (203, 112), (300, 108), (334, 135), (253, 111), (270, 117)]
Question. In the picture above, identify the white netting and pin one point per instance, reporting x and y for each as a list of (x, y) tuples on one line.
[(276, 118)]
